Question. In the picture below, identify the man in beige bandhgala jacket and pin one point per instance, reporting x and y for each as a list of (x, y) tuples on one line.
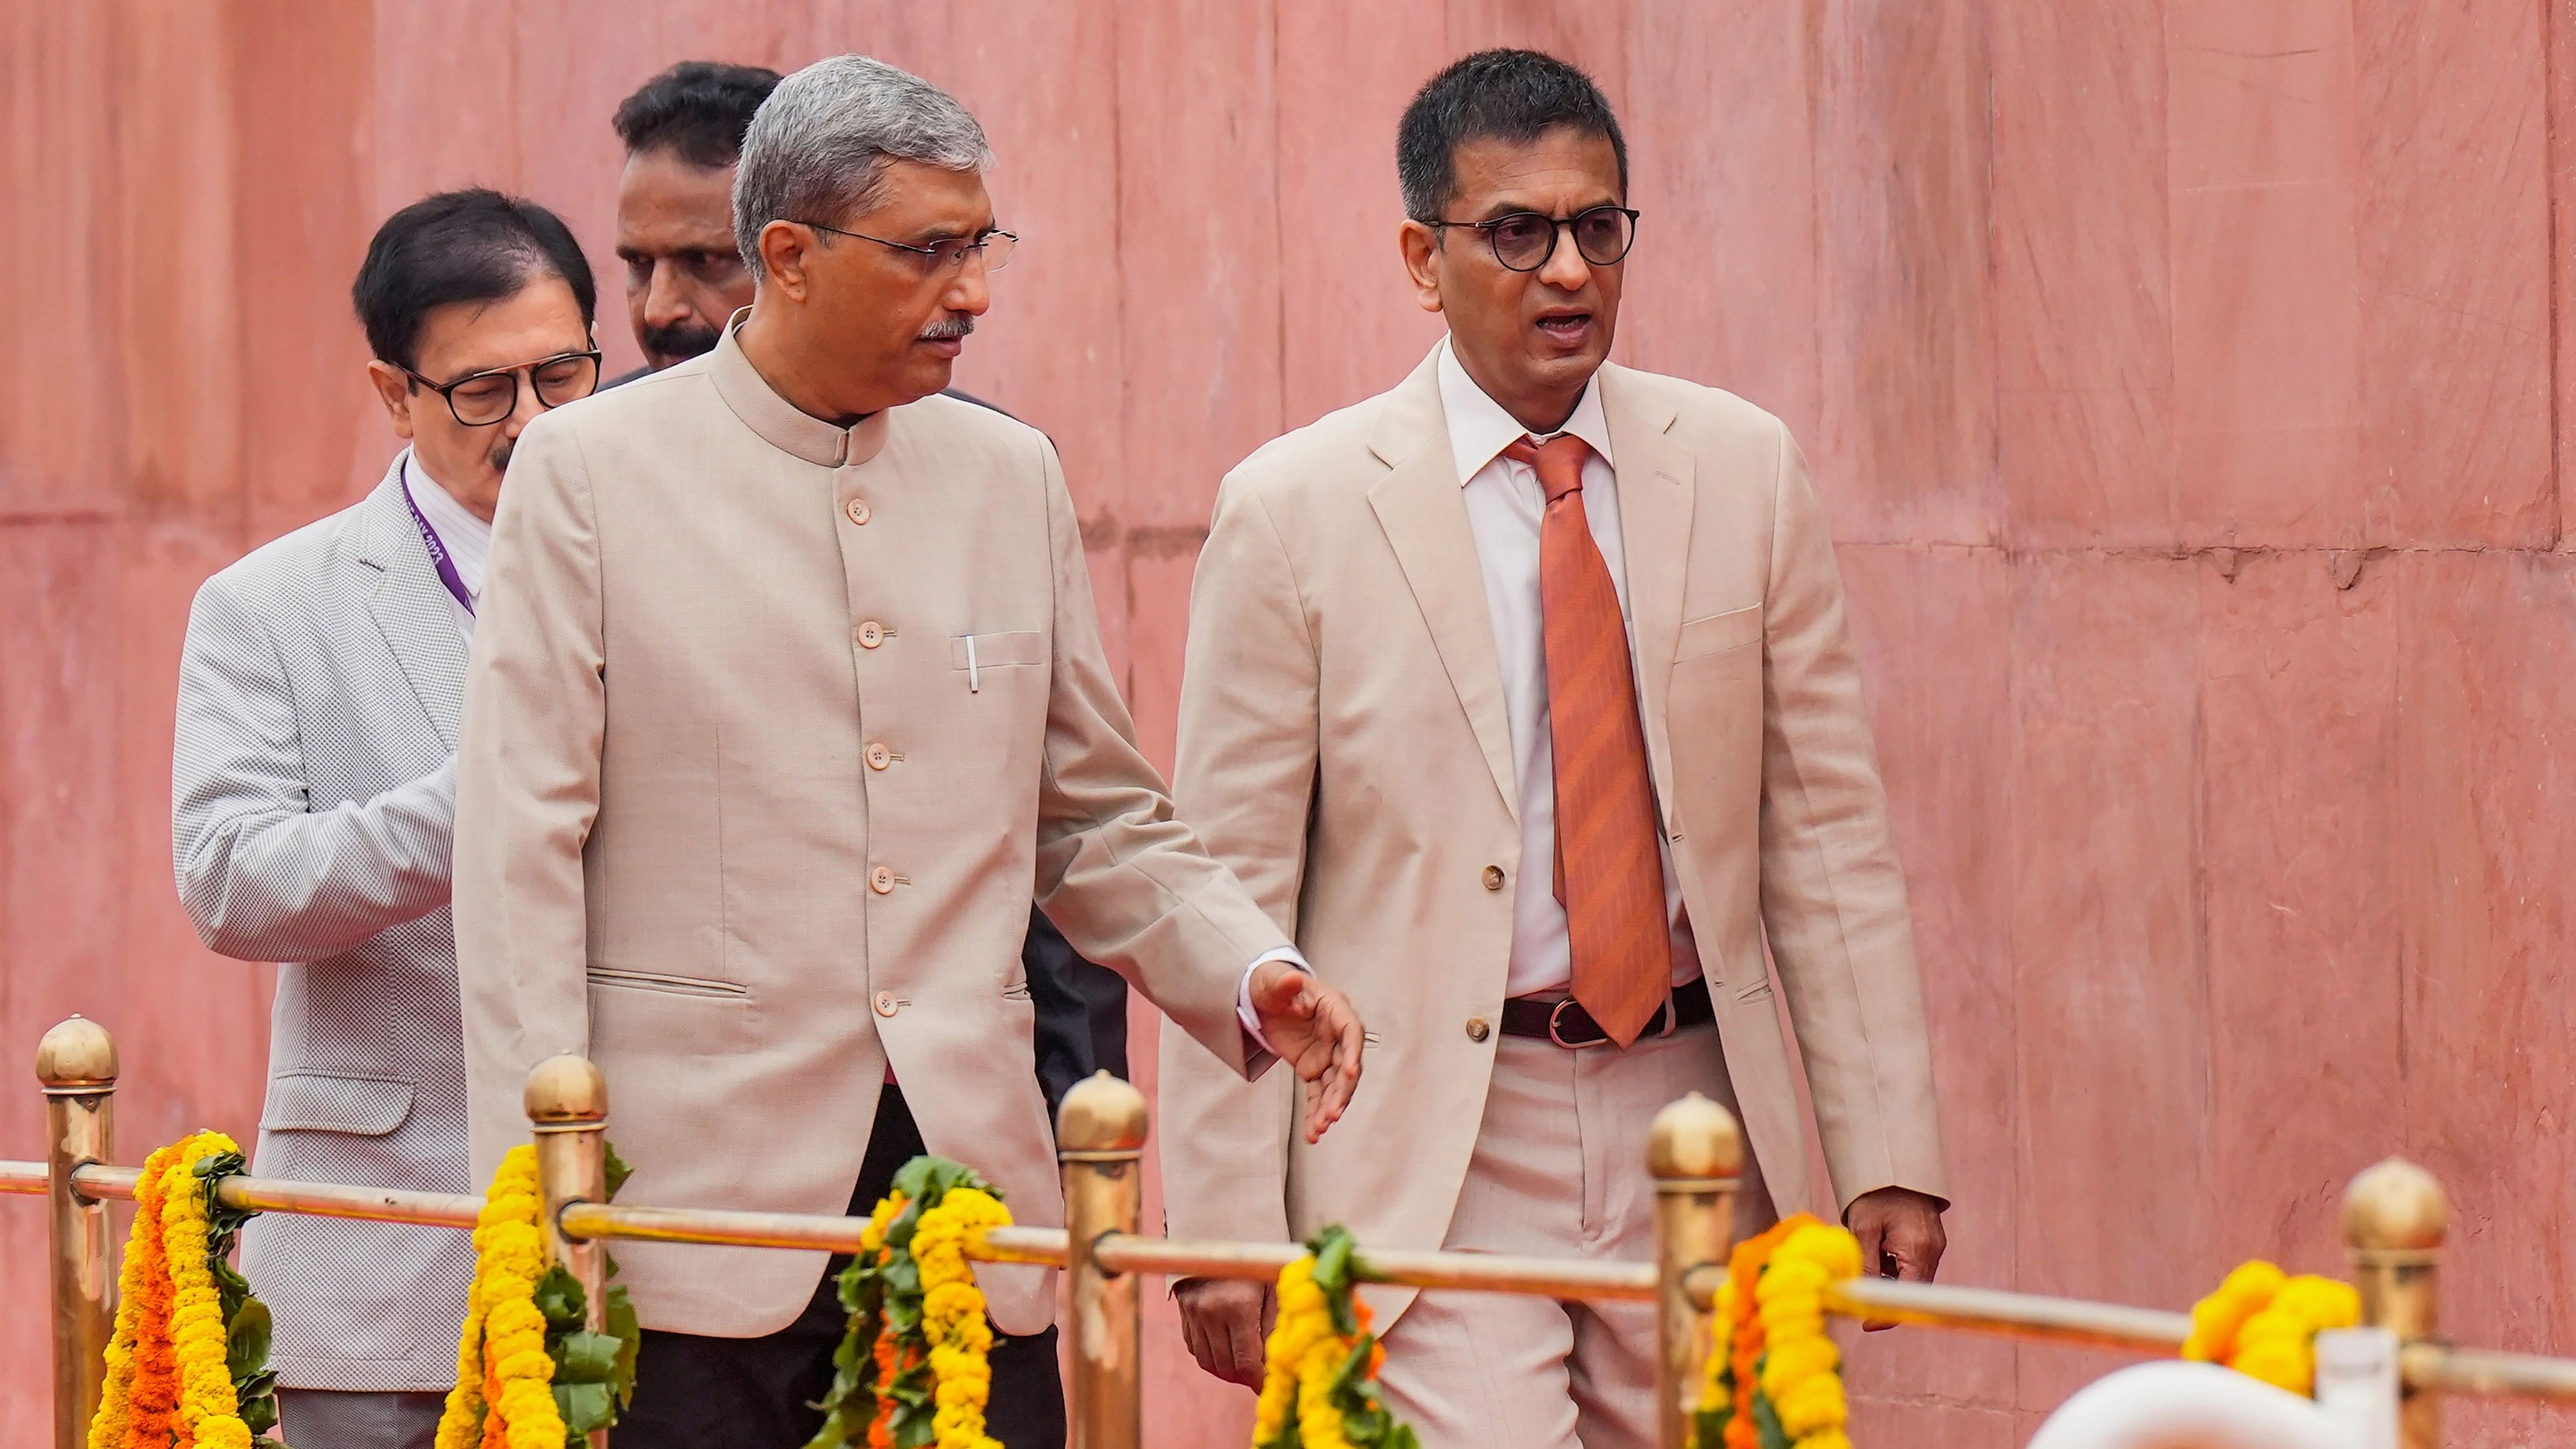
[(1364, 737), (787, 695)]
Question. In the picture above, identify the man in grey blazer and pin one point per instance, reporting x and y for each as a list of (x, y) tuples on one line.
[(313, 801)]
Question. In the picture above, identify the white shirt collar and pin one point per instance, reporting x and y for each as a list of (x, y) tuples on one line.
[(1479, 428), (468, 539)]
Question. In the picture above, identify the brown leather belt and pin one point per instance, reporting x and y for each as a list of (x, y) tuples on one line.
[(1562, 1019)]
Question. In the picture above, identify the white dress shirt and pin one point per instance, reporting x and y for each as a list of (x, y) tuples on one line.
[(1505, 506), (468, 539)]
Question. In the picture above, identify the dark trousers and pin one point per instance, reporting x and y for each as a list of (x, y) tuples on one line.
[(759, 1393)]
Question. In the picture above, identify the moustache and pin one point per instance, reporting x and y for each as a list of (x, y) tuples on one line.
[(680, 340), (954, 326), (499, 457)]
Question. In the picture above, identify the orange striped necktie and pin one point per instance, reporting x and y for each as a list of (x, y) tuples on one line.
[(1609, 873)]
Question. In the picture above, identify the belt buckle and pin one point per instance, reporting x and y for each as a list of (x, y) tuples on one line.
[(1556, 1034)]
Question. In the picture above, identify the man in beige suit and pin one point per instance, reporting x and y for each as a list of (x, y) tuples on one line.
[(786, 692), (1523, 694)]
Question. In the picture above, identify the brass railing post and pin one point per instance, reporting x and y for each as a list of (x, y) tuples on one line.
[(1695, 1150), (1100, 1142), (567, 1101), (77, 1064), (2395, 1216)]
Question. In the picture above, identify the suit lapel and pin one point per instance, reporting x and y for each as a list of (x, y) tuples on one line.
[(1424, 513), (411, 606), (1656, 495)]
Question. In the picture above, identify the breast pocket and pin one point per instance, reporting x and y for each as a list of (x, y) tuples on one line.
[(1718, 633), (973, 654)]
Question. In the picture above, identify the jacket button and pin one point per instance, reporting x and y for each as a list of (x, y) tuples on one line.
[(879, 757), (858, 510), (1477, 1029), (1493, 882), (885, 1003), (881, 880), (871, 634)]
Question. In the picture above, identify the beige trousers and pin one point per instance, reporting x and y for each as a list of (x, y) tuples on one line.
[(1559, 1171)]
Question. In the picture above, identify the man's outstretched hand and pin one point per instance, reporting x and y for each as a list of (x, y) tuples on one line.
[(1315, 1030), (1900, 1236)]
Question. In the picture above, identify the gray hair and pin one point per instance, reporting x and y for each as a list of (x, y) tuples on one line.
[(818, 147)]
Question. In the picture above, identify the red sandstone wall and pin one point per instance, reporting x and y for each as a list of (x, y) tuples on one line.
[(2184, 377)]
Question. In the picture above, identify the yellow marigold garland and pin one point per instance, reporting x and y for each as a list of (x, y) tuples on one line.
[(187, 1362), (1319, 1383), (529, 1373), (2264, 1323), (1774, 1377), (915, 1364)]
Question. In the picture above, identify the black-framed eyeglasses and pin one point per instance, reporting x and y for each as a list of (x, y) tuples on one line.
[(993, 245), (480, 399), (1524, 240)]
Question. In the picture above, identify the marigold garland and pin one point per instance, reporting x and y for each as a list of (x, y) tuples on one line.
[(914, 1367), (187, 1364), (1319, 1384), (2264, 1323), (530, 1374), (1774, 1377)]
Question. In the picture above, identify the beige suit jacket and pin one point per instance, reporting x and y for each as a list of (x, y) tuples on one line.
[(1344, 746), (772, 729)]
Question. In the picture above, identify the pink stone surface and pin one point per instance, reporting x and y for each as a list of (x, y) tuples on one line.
[(2183, 377)]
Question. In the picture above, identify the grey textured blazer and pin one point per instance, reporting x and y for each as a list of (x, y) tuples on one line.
[(313, 793)]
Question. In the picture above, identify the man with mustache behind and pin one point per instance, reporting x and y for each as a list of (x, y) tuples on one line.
[(788, 693), (685, 276)]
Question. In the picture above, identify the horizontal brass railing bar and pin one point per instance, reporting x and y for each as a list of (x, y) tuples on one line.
[(778, 1230), (1479, 1272), (306, 1199), (106, 1184), (22, 1177), (2023, 1315), (2443, 1369)]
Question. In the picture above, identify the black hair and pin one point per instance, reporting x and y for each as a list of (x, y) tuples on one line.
[(698, 108), (1512, 95), (460, 246)]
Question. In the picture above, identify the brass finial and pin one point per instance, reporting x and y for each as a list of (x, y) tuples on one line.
[(567, 1090), (1694, 1138), (2395, 1206), (1102, 1114), (76, 1057)]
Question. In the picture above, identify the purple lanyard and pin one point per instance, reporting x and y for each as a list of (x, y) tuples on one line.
[(438, 557)]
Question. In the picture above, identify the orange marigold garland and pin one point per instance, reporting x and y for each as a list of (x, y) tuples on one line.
[(530, 1372), (188, 1362), (1319, 1380), (912, 1370), (1773, 1379), (2263, 1323)]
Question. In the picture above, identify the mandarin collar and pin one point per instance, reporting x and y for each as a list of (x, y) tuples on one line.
[(780, 423)]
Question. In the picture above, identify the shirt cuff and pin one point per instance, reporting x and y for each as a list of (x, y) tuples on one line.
[(1243, 1011)]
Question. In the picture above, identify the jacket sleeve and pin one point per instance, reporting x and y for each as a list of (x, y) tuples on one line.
[(527, 786), (263, 875), (1246, 778), (1833, 895), (1125, 881)]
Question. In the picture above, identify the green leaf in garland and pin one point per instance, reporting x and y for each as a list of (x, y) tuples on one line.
[(586, 1357), (630, 1340), (247, 1339), (255, 1399), (585, 1407), (1333, 1250), (560, 1299), (618, 1171), (1766, 1424)]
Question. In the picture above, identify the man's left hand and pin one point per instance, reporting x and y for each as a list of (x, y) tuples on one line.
[(1900, 1236), (1316, 1031)]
